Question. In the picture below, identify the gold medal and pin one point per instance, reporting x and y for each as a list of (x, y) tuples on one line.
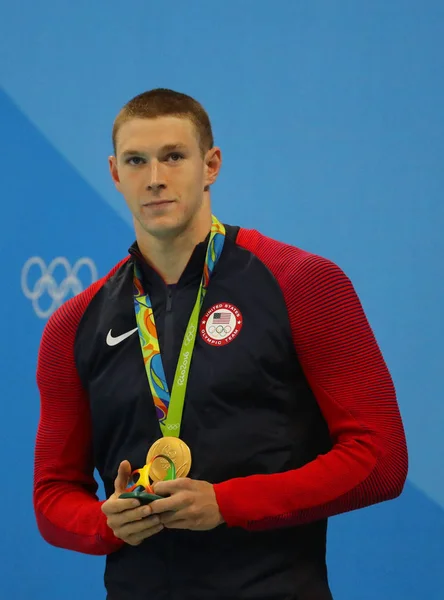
[(176, 450)]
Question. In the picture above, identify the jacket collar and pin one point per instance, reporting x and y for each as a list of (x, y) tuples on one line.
[(194, 269), (191, 274)]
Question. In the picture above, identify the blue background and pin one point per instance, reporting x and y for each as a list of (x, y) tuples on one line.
[(329, 116)]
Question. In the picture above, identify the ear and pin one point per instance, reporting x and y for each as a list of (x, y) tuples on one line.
[(112, 161), (213, 163)]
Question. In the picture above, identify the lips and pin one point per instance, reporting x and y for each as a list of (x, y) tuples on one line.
[(158, 203)]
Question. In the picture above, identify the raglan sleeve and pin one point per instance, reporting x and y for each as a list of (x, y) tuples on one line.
[(67, 509), (350, 380)]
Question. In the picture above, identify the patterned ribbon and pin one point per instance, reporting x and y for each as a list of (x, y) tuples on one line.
[(169, 407)]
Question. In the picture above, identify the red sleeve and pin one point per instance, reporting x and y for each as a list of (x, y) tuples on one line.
[(67, 509), (353, 387)]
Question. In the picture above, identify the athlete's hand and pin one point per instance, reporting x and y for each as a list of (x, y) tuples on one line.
[(129, 521), (191, 504)]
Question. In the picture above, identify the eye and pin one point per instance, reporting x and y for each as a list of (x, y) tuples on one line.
[(175, 156), (134, 161)]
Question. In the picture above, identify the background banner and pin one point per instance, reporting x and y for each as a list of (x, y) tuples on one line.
[(329, 116)]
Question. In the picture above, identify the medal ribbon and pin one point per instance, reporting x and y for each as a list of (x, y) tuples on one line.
[(169, 407)]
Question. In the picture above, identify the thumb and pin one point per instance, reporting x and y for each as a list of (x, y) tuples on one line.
[(123, 477)]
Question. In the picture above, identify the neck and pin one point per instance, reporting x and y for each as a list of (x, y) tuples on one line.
[(170, 255)]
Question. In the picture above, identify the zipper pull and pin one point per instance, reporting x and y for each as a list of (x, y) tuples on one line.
[(169, 299)]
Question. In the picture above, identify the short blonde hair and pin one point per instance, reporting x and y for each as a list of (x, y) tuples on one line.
[(161, 102)]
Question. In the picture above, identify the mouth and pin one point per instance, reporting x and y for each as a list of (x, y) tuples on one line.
[(157, 203)]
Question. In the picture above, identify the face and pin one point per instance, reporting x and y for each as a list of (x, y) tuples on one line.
[(160, 170)]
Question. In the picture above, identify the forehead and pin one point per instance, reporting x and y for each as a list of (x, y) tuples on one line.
[(152, 134)]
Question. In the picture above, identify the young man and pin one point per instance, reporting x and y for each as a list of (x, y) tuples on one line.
[(248, 362)]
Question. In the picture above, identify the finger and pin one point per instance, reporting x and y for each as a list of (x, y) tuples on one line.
[(167, 488), (180, 524), (123, 477), (173, 503), (137, 527), (117, 521), (138, 538), (171, 517), (119, 505)]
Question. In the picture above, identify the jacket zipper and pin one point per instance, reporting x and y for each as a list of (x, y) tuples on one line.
[(168, 337)]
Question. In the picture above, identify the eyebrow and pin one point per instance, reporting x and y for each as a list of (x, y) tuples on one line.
[(166, 148)]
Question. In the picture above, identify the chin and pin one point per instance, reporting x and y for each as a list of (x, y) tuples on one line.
[(164, 227)]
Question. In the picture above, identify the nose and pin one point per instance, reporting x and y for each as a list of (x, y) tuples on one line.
[(156, 178)]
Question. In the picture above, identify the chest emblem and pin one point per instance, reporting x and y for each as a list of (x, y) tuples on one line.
[(221, 324)]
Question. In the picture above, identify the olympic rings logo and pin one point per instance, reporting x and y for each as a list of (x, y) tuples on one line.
[(46, 284), (219, 329), (173, 427), (190, 335)]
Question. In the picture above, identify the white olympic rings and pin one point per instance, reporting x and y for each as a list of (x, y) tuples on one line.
[(189, 337), (173, 426), (219, 329), (46, 284)]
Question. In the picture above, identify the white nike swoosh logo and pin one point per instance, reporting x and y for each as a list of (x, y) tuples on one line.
[(113, 341)]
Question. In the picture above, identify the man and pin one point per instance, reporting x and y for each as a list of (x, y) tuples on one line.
[(247, 362)]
